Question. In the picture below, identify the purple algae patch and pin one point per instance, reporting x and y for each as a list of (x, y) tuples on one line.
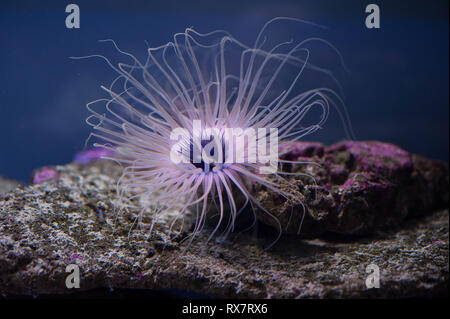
[(44, 174), (92, 154), (303, 149), (375, 156)]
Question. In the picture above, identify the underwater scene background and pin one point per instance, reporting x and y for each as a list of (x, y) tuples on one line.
[(396, 89), (351, 208)]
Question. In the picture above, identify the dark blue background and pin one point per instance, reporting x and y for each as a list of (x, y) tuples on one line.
[(396, 91)]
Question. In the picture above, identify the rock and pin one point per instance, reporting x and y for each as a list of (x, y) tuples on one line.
[(92, 154), (303, 149), (6, 185), (354, 188), (43, 174), (72, 220)]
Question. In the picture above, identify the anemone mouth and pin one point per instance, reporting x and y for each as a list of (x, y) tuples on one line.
[(217, 154), (217, 80)]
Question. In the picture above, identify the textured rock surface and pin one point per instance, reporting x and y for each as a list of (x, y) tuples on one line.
[(358, 187), (7, 185), (45, 227)]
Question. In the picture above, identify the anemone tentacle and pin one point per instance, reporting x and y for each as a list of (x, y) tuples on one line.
[(217, 80)]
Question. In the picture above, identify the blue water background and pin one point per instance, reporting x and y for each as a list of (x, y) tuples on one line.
[(396, 91)]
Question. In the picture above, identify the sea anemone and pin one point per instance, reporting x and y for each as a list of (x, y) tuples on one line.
[(168, 119)]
